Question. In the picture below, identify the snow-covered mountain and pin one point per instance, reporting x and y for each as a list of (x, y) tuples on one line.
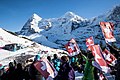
[(56, 32), (31, 26)]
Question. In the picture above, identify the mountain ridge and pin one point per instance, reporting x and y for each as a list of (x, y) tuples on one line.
[(60, 30)]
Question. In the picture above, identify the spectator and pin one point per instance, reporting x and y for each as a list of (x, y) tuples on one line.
[(74, 62), (34, 73), (1, 69), (88, 70), (56, 62), (49, 59), (10, 72), (20, 74), (2, 72), (66, 71)]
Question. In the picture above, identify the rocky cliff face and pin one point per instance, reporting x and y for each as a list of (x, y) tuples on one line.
[(31, 26)]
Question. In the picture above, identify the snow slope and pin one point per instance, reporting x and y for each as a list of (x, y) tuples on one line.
[(28, 47)]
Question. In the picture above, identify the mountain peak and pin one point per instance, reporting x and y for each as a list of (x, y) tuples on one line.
[(35, 16), (71, 15), (31, 26)]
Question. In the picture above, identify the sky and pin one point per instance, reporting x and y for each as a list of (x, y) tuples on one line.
[(15, 13)]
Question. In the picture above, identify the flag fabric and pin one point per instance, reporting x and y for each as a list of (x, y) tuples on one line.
[(72, 48), (97, 53), (107, 30), (89, 42), (46, 69), (101, 76), (110, 59), (95, 64)]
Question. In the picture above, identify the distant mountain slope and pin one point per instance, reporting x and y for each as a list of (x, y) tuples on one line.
[(56, 32)]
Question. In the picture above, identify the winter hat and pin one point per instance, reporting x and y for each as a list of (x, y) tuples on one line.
[(65, 58), (37, 57), (11, 64), (73, 59), (1, 66)]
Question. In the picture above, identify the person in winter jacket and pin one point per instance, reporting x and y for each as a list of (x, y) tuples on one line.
[(2, 72), (66, 71), (56, 62), (34, 73), (74, 62), (20, 73), (10, 72), (88, 69), (49, 59)]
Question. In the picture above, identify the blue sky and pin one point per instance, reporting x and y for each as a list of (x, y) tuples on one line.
[(14, 13)]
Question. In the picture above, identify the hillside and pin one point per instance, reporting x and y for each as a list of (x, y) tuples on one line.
[(25, 48)]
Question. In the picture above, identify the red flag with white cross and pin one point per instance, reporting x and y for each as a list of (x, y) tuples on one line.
[(72, 48), (101, 76), (97, 53), (89, 42), (107, 30), (110, 59), (46, 69)]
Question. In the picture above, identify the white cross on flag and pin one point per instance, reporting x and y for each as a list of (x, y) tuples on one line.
[(72, 48), (97, 53), (110, 59), (89, 42), (101, 77), (107, 30), (46, 69)]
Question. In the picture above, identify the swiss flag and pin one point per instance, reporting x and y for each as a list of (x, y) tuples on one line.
[(97, 53), (107, 30), (89, 42), (46, 69), (72, 47), (110, 59), (101, 76)]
